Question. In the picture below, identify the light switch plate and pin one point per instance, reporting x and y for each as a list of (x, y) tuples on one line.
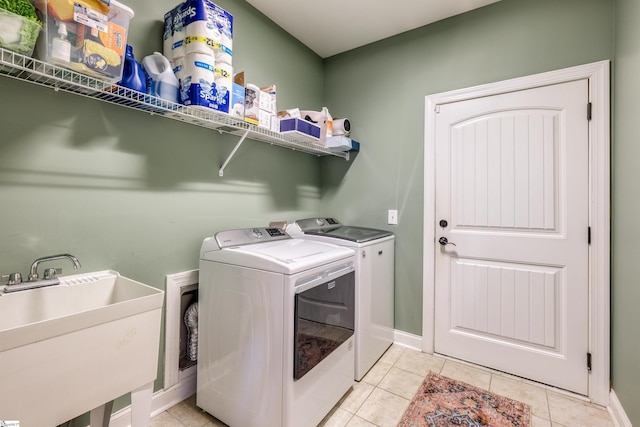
[(393, 217)]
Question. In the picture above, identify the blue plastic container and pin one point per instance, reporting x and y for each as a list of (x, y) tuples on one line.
[(133, 76)]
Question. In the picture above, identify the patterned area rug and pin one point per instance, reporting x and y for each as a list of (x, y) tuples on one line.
[(441, 401)]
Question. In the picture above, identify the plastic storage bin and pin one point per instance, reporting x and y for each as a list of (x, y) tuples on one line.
[(18, 33), (97, 33)]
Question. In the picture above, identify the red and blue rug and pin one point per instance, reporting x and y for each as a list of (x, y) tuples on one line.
[(442, 401)]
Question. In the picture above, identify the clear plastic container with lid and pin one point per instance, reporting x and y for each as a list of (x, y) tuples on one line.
[(95, 29)]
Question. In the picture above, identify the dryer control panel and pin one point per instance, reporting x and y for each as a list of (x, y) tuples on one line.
[(247, 236)]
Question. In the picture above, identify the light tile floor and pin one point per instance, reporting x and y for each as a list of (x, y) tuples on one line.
[(380, 399)]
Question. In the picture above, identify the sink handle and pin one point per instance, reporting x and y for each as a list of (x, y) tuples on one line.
[(11, 279), (51, 273)]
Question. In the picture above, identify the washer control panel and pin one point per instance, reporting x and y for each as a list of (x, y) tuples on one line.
[(318, 224)]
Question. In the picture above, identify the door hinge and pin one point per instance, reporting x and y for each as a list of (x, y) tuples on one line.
[(588, 235), (589, 362), (589, 108)]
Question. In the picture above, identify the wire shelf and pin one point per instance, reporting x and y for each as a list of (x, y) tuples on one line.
[(31, 70)]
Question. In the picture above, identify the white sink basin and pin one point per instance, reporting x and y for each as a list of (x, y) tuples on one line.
[(70, 348)]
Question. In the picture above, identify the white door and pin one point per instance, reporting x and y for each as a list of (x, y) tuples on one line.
[(512, 185)]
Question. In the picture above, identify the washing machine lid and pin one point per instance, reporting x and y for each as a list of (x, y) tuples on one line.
[(331, 227), (270, 250)]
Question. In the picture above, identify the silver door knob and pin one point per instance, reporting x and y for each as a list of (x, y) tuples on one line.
[(444, 241)]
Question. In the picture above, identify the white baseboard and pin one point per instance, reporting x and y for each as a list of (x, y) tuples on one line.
[(616, 411), (160, 402), (406, 339)]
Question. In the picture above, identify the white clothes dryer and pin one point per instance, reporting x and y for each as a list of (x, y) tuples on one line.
[(276, 328), (375, 261)]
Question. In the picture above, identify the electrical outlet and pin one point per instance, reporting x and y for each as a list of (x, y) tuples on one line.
[(393, 217)]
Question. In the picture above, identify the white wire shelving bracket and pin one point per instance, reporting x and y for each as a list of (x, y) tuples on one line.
[(233, 152), (34, 71)]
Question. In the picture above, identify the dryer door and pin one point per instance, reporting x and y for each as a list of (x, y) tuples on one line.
[(324, 318)]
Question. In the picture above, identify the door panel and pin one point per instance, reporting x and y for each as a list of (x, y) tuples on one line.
[(512, 183), (522, 144), (517, 302)]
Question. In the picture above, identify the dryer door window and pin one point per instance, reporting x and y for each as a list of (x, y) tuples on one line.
[(324, 319)]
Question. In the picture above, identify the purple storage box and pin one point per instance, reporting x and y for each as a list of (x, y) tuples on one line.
[(300, 126)]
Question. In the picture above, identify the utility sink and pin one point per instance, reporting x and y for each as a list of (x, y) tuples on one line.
[(75, 347)]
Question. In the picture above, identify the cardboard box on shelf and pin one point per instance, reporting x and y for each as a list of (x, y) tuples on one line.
[(260, 105), (251, 103), (268, 99), (265, 120), (267, 117), (297, 125), (237, 96)]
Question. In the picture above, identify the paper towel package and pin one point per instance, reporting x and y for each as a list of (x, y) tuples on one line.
[(224, 86), (199, 26), (174, 32), (167, 36), (202, 84)]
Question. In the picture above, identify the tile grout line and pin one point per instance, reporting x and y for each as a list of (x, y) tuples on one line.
[(546, 398)]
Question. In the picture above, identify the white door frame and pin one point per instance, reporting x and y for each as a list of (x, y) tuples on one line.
[(599, 207)]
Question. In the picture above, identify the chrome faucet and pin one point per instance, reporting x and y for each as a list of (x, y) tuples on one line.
[(15, 283), (33, 274)]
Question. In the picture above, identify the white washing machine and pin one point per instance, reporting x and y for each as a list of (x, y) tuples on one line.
[(375, 261), (276, 328)]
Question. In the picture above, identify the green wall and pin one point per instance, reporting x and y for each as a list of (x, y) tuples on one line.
[(625, 293), (382, 87)]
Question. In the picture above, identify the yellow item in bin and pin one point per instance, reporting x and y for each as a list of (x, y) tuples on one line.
[(109, 56), (63, 9), (106, 54)]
